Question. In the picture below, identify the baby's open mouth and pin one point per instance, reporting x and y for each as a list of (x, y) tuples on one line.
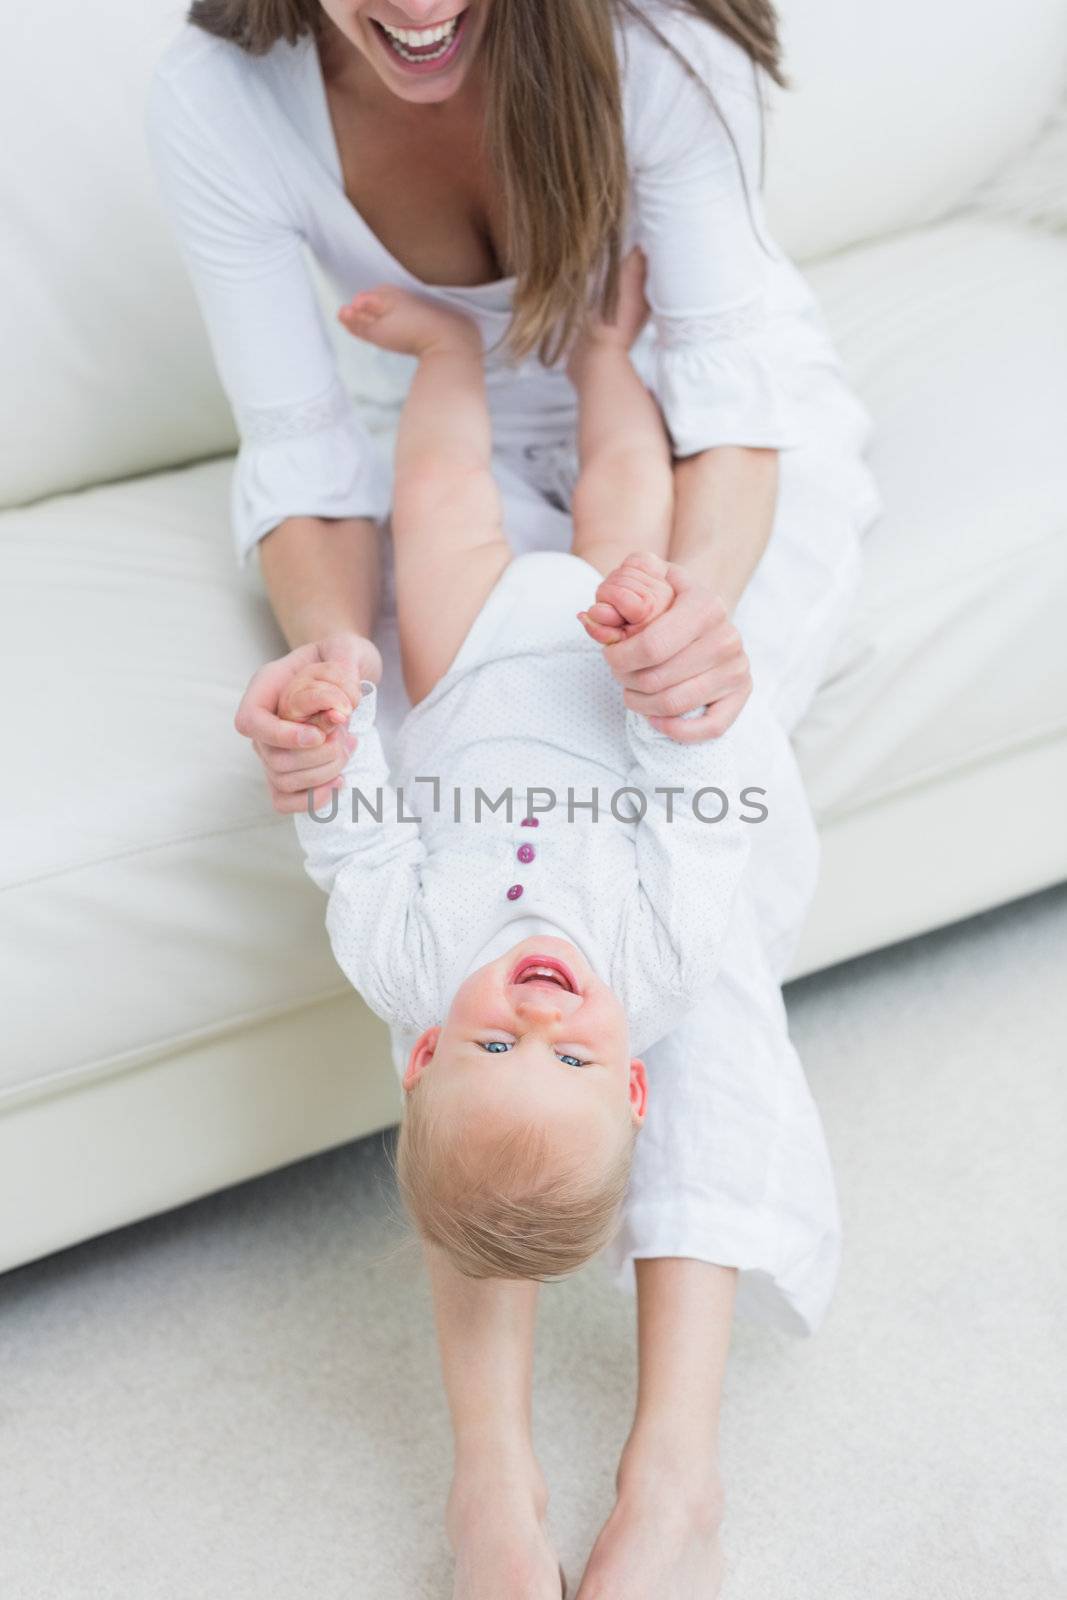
[(547, 970)]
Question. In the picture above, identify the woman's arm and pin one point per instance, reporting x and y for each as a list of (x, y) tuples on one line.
[(322, 577), (723, 514), (693, 656), (718, 361), (310, 481)]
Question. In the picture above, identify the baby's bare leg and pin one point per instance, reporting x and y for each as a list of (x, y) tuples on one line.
[(447, 519), (624, 498)]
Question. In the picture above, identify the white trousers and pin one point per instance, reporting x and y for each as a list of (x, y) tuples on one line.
[(731, 1165)]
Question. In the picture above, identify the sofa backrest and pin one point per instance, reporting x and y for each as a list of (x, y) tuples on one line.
[(106, 370), (899, 111)]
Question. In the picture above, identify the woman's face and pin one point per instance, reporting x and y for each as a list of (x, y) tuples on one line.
[(421, 50)]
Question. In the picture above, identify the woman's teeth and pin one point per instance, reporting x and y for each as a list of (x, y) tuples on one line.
[(413, 44)]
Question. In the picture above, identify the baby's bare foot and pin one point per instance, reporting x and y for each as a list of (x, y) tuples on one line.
[(497, 1528), (633, 595), (398, 320), (661, 1540)]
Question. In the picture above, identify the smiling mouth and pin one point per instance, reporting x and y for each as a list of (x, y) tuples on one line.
[(422, 46), (545, 970)]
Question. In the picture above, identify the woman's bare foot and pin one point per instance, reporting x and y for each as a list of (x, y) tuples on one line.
[(496, 1522), (397, 319), (661, 1540)]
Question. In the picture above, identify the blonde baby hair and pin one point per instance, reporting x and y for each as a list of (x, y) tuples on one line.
[(500, 1208)]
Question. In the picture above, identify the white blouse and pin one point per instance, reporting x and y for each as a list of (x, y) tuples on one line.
[(250, 176)]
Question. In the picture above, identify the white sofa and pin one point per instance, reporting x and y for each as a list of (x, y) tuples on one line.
[(173, 1020)]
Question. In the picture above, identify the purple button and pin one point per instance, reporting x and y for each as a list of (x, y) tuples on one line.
[(515, 891), (526, 853), (530, 822)]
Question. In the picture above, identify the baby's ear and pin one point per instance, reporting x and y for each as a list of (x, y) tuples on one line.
[(638, 1091), (421, 1056)]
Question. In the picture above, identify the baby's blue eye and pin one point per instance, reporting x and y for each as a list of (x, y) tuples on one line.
[(494, 1046), (571, 1061)]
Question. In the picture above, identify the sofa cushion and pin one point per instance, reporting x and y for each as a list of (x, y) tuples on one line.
[(956, 338), (1033, 187), (143, 873), (149, 896)]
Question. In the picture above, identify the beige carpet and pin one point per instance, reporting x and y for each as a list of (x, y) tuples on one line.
[(238, 1401)]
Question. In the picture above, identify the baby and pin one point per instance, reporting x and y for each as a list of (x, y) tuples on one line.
[(546, 888)]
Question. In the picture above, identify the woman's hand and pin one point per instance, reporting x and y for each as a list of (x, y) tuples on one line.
[(297, 756), (691, 656)]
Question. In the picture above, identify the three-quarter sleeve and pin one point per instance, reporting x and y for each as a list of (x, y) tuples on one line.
[(303, 449), (718, 371)]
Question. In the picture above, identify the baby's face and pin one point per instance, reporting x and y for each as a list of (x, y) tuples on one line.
[(536, 1035)]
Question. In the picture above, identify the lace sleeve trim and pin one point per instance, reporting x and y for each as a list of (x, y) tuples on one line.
[(677, 333), (269, 424)]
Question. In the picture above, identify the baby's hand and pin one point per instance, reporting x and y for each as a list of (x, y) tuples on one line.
[(628, 599), (685, 659), (324, 693)]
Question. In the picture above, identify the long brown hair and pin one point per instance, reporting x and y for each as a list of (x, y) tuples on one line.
[(554, 131)]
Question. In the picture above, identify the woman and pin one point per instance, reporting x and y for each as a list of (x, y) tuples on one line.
[(485, 154)]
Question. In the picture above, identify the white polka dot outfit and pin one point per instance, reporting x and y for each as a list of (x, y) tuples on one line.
[(529, 706)]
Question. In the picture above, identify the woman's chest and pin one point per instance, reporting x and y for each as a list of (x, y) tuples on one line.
[(425, 192)]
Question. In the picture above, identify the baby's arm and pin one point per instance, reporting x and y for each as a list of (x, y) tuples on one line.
[(687, 865), (624, 497), (369, 863), (687, 869)]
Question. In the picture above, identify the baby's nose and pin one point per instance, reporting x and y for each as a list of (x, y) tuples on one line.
[(539, 1009)]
